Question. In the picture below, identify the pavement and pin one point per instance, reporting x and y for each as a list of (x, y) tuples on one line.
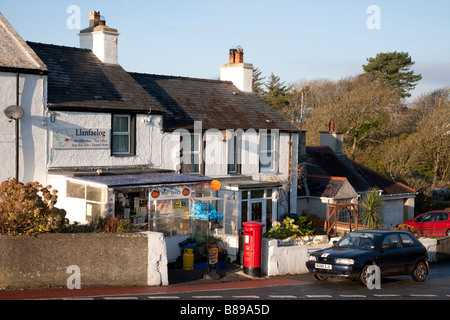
[(179, 281)]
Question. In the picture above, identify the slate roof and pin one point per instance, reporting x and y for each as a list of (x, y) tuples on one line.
[(15, 54), (322, 161), (217, 104), (320, 186), (79, 81)]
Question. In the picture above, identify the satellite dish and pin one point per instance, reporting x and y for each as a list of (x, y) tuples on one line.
[(14, 112)]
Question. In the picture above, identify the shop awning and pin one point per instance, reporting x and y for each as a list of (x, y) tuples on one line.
[(250, 184), (143, 179)]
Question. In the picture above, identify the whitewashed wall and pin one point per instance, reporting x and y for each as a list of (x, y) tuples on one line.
[(64, 158), (33, 134)]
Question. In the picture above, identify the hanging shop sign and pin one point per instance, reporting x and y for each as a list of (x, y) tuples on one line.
[(81, 138), (216, 185), (165, 193)]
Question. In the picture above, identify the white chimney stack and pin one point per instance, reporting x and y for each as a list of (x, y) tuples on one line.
[(238, 72), (101, 39), (332, 139)]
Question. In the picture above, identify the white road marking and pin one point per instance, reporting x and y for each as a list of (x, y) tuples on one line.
[(120, 298), (163, 297), (283, 297), (352, 296), (318, 296)]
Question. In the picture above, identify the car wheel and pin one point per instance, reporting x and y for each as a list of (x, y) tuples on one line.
[(320, 277), (448, 233), (365, 274), (420, 272)]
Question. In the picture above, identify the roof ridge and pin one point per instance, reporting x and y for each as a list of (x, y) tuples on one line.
[(56, 45), (316, 176), (179, 77)]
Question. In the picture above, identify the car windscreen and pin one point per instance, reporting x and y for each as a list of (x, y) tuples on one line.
[(367, 241)]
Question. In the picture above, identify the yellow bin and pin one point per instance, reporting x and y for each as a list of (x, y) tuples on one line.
[(188, 259)]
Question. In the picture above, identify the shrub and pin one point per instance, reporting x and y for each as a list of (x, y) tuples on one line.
[(290, 227), (411, 229), (29, 209)]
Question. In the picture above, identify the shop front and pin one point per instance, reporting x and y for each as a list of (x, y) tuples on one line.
[(156, 202)]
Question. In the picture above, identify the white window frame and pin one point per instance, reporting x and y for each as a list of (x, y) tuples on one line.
[(190, 153), (122, 133), (263, 152), (233, 150)]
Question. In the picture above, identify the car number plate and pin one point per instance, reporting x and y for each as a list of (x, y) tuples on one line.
[(323, 266)]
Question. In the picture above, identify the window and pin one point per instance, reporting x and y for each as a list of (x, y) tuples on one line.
[(170, 217), (408, 240), (267, 152), (190, 153), (441, 216), (257, 205), (391, 241), (123, 132), (94, 198), (425, 218), (233, 154)]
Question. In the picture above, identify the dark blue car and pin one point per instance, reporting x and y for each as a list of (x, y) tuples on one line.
[(394, 252)]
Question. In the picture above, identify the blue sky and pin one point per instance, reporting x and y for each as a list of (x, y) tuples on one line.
[(294, 39)]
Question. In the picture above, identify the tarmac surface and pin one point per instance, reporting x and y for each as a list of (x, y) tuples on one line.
[(179, 281)]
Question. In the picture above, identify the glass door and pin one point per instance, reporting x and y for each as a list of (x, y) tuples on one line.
[(257, 211)]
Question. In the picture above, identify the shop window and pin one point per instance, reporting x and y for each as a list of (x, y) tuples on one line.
[(93, 197), (94, 211), (95, 194), (170, 217), (75, 190), (132, 204)]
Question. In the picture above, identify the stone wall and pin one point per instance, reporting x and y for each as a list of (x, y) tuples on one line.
[(95, 259)]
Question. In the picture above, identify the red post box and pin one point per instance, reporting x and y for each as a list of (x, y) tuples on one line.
[(252, 247)]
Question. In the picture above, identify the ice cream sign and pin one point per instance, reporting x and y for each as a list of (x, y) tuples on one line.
[(81, 138)]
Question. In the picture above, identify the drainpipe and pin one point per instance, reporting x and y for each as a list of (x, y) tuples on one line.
[(17, 127), (290, 173)]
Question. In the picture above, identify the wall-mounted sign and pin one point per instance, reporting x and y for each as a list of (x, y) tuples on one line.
[(216, 185), (164, 193), (81, 138)]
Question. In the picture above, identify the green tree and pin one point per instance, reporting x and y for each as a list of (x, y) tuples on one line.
[(371, 206), (277, 94), (258, 82), (393, 68)]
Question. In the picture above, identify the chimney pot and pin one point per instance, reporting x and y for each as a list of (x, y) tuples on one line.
[(331, 126), (94, 18)]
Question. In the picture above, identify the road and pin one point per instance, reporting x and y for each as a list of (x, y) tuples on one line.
[(306, 287), (268, 297)]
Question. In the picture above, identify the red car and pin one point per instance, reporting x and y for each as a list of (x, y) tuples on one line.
[(432, 223)]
